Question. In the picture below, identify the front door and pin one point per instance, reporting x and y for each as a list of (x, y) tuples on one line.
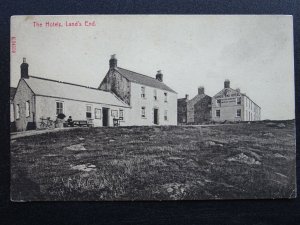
[(105, 119), (155, 116)]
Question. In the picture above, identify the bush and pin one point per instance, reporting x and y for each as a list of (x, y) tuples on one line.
[(61, 116)]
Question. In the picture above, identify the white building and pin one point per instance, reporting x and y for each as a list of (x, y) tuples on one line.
[(145, 100), (151, 101), (232, 105)]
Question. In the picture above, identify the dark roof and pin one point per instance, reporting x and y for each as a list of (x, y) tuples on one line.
[(12, 92), (143, 79)]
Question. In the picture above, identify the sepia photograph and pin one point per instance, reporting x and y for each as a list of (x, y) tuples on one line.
[(152, 107)]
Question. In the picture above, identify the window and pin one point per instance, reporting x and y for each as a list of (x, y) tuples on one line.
[(97, 113), (59, 108), (166, 115), (238, 100), (166, 96), (114, 113), (143, 112), (218, 102), (155, 94), (143, 92), (121, 114), (27, 108), (17, 111), (88, 111), (238, 113), (218, 113)]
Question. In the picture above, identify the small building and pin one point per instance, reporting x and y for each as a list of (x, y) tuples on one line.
[(123, 95), (232, 105), (194, 111), (151, 101), (39, 98)]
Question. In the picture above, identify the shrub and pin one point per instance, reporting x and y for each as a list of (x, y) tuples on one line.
[(61, 116)]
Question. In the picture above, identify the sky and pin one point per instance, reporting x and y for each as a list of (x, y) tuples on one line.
[(254, 52)]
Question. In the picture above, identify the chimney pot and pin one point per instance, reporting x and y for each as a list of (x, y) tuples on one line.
[(113, 62), (227, 83), (200, 90), (187, 97), (159, 76), (24, 69)]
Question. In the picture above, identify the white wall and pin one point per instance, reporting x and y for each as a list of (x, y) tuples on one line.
[(137, 102), (46, 107)]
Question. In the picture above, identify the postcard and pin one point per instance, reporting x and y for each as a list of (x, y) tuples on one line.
[(152, 107)]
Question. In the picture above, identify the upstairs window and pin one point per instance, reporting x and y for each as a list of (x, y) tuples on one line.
[(17, 111), (143, 112), (238, 113), (218, 113), (88, 111), (155, 94), (166, 96), (218, 102), (27, 109), (143, 94), (238, 100), (59, 108)]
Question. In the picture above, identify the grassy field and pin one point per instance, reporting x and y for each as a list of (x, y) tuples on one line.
[(156, 163)]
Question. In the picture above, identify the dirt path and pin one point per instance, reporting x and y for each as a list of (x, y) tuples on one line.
[(16, 135)]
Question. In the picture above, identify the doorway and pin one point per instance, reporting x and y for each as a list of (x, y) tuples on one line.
[(105, 117), (155, 111)]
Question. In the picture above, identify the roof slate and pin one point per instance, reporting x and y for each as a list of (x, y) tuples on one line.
[(58, 89), (143, 79)]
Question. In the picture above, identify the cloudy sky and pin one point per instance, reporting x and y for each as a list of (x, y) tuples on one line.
[(254, 52)]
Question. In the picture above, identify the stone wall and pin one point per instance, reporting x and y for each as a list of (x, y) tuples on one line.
[(182, 111), (117, 84)]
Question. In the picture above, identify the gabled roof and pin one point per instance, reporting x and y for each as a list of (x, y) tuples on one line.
[(12, 92), (197, 98), (58, 89), (143, 79)]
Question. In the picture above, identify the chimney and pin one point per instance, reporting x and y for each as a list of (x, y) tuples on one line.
[(238, 90), (24, 69), (227, 83), (187, 97), (113, 62), (159, 76), (200, 90)]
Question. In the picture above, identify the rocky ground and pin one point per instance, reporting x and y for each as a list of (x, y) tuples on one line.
[(232, 161)]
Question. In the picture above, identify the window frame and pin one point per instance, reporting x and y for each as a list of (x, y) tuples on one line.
[(218, 111), (155, 94), (87, 111), (17, 111), (143, 112), (239, 100), (96, 117), (57, 108), (165, 96), (121, 117), (166, 115), (238, 111), (143, 92), (27, 109)]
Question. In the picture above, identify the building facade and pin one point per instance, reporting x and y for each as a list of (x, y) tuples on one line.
[(131, 99), (196, 110), (232, 105), (151, 101)]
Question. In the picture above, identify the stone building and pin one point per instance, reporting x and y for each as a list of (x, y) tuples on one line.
[(232, 105), (129, 97), (195, 111), (151, 101)]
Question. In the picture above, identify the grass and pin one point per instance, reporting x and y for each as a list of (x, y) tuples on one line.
[(254, 160)]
